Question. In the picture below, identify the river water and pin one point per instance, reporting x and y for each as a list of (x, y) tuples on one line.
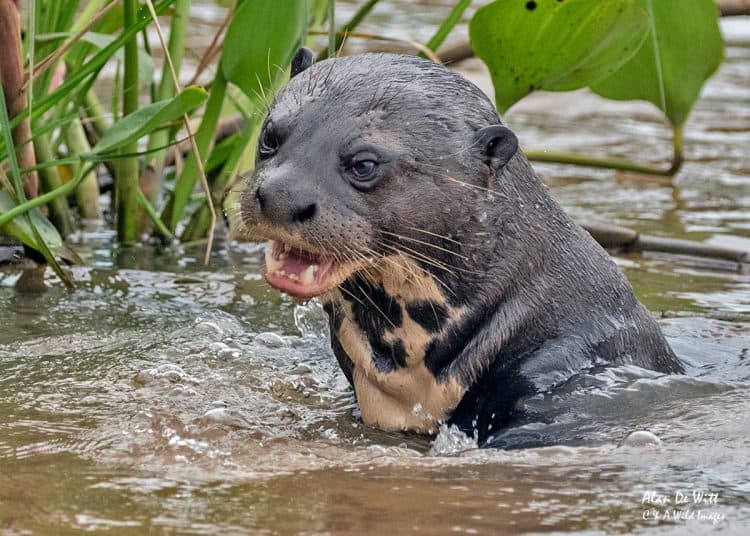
[(164, 396)]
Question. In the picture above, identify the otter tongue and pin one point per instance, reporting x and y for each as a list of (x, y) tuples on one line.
[(303, 268), (293, 264)]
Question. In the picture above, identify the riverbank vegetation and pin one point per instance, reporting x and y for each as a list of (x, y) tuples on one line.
[(160, 162)]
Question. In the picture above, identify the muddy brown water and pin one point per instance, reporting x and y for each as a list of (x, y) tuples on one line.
[(164, 396)]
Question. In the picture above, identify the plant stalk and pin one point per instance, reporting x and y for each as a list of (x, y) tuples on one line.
[(50, 180), (40, 200), (175, 207), (95, 114), (361, 13), (12, 79), (127, 169), (564, 157), (87, 193), (453, 18), (151, 212), (200, 221), (167, 90), (89, 69), (331, 28)]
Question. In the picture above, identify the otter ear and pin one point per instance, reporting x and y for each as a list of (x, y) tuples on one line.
[(497, 145), (302, 60)]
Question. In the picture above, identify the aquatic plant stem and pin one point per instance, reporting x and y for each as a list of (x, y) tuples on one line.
[(88, 70), (186, 120), (87, 194), (563, 157), (149, 209), (38, 242), (175, 208), (453, 18), (43, 199), (331, 28), (16, 132), (341, 35), (95, 113), (50, 180), (11, 78), (167, 88), (126, 183)]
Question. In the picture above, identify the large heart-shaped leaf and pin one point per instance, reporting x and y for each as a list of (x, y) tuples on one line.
[(690, 48), (147, 119), (261, 40), (554, 45), (20, 229)]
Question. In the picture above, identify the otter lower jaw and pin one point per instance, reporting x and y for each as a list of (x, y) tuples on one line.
[(304, 274), (299, 273)]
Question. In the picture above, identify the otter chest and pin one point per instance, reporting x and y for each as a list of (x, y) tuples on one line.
[(383, 333)]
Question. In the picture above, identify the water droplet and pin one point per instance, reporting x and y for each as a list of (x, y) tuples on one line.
[(451, 440), (311, 320), (642, 438), (270, 340)]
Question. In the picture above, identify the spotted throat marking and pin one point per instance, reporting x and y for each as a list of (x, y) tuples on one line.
[(387, 324)]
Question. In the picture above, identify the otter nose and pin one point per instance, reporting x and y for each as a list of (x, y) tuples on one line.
[(281, 206)]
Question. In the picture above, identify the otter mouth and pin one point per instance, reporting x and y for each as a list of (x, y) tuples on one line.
[(298, 272)]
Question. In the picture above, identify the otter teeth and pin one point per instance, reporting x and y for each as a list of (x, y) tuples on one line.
[(272, 263), (308, 275)]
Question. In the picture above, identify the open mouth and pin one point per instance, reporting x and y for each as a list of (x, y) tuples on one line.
[(297, 272)]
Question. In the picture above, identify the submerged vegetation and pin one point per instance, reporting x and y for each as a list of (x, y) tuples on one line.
[(158, 155)]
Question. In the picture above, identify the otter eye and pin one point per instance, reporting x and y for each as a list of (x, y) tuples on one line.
[(363, 168), (269, 143)]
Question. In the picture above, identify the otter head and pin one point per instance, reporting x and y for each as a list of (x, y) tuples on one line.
[(370, 162)]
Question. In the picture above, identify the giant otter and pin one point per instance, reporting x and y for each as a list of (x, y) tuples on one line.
[(455, 286)]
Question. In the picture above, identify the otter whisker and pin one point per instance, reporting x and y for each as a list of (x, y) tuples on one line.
[(452, 269), (442, 283), (395, 246), (436, 235), (352, 296), (410, 269), (445, 176), (402, 237), (378, 309), (410, 272), (367, 262)]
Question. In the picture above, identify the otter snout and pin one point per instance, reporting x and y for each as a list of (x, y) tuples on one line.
[(281, 205)]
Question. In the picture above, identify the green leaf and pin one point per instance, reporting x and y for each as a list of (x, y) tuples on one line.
[(145, 61), (261, 40), (89, 69), (552, 45), (690, 48), (147, 119), (453, 18), (20, 229)]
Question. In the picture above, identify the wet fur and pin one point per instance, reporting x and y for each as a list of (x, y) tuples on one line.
[(470, 289)]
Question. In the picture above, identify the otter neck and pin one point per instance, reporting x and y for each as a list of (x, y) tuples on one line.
[(383, 327)]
